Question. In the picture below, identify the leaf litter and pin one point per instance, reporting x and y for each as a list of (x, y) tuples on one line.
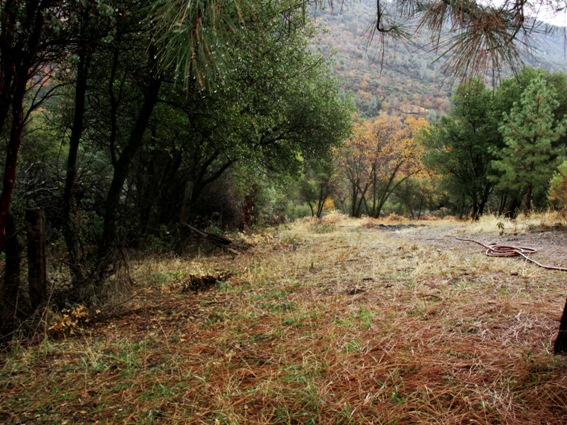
[(350, 325)]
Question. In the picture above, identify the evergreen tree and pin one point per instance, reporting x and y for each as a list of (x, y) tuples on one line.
[(530, 130), (460, 146)]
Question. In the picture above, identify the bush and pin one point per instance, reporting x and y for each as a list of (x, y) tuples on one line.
[(297, 211)]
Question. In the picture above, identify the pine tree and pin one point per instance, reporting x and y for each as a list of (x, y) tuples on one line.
[(462, 145), (530, 131)]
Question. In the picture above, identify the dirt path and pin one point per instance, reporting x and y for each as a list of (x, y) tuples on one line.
[(551, 245)]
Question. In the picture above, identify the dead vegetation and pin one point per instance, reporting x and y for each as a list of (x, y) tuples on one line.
[(336, 321)]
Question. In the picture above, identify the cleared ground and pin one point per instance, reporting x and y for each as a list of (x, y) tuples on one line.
[(337, 321)]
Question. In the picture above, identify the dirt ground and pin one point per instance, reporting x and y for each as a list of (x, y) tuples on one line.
[(551, 245)]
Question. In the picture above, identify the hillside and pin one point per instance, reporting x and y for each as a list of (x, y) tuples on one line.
[(403, 77)]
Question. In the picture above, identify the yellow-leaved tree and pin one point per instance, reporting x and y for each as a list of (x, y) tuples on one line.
[(380, 156)]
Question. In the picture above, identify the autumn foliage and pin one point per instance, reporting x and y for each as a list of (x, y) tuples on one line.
[(377, 159)]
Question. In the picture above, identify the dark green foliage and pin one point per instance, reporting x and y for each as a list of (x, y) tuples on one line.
[(316, 184), (461, 146), (276, 107), (500, 147), (530, 131), (127, 147)]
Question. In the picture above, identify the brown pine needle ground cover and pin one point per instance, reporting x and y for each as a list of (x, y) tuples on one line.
[(334, 322)]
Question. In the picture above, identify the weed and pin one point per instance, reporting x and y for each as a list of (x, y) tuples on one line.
[(223, 286), (346, 414), (396, 397), (354, 346), (216, 316), (280, 307), (500, 226), (292, 321), (158, 279), (93, 360), (365, 317), (276, 295)]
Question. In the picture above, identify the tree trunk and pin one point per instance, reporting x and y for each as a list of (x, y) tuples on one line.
[(515, 206), (323, 194), (475, 214), (20, 59), (362, 200), (184, 214), (122, 166), (502, 205), (12, 276), (528, 204), (560, 345), (12, 150), (354, 198), (420, 207), (167, 191), (37, 265), (374, 212), (70, 231), (311, 208), (482, 206)]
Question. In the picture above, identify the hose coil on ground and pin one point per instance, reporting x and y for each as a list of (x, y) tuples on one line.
[(511, 251)]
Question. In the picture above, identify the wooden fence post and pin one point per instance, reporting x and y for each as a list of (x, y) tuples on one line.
[(37, 265)]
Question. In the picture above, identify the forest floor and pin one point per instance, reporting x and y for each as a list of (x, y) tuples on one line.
[(338, 321)]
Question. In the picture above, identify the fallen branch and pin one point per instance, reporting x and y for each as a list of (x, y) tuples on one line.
[(511, 251), (211, 237)]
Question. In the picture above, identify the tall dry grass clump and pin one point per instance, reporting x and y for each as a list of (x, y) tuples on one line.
[(522, 224)]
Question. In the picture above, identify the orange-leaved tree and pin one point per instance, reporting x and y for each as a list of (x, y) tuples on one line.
[(379, 156), (351, 161)]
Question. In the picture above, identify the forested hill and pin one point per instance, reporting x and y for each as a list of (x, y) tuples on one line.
[(403, 77)]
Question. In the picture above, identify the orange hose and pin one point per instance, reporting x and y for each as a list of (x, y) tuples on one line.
[(511, 251)]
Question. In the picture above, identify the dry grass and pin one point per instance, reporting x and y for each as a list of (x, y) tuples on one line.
[(337, 321), (519, 225)]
